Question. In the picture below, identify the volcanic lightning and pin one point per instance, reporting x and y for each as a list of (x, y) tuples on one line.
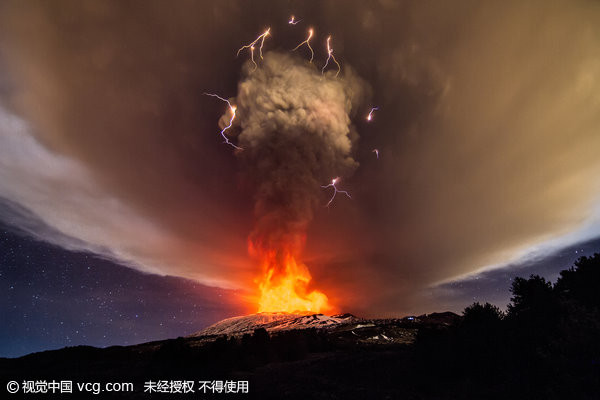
[(307, 42), (376, 153), (333, 183), (295, 134), (370, 116), (330, 56), (292, 21), (252, 58), (232, 110), (252, 44)]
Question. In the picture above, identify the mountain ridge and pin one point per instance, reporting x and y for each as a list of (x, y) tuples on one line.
[(274, 321)]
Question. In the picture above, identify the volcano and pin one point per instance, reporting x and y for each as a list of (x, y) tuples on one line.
[(276, 352), (275, 322)]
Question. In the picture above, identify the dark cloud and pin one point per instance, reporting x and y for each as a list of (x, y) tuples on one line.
[(487, 130)]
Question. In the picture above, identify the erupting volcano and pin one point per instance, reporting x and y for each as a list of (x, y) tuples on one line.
[(294, 132)]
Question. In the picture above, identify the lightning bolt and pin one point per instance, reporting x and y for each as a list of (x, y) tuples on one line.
[(333, 183), (252, 44), (376, 153), (370, 116), (232, 109), (329, 57), (307, 41), (252, 58), (292, 21)]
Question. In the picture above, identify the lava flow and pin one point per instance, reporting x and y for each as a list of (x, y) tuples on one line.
[(284, 285)]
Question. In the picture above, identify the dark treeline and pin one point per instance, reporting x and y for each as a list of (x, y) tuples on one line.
[(547, 344)]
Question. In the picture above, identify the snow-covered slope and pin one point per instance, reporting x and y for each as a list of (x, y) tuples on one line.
[(274, 322), (311, 321)]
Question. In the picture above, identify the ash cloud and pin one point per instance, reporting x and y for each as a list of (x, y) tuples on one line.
[(296, 134), (487, 127)]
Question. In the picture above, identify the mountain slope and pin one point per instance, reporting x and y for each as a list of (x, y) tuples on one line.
[(276, 321)]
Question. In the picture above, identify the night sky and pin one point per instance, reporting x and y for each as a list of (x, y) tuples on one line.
[(493, 286), (54, 298), (124, 218)]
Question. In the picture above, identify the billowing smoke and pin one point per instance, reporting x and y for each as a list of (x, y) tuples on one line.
[(296, 134)]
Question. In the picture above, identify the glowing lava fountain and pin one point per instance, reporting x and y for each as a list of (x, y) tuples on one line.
[(284, 285)]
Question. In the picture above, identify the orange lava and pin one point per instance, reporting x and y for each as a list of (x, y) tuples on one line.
[(284, 286)]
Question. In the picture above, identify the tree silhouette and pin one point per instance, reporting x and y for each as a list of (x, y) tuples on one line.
[(580, 283), (532, 298), (486, 314)]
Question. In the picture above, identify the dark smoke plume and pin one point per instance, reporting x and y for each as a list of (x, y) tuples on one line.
[(296, 134)]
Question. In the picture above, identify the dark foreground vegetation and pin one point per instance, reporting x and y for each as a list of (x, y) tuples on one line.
[(547, 346)]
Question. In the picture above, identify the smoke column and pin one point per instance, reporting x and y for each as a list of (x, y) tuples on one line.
[(296, 134)]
